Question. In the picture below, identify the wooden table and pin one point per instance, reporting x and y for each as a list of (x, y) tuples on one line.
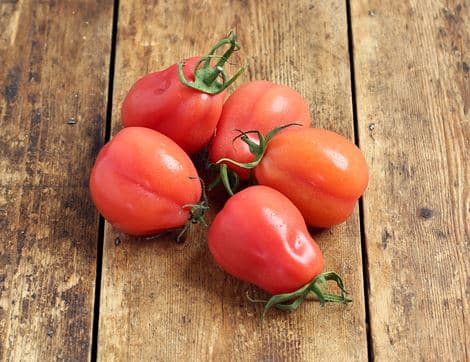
[(391, 75)]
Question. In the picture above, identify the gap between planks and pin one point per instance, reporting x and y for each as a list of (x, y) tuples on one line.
[(107, 135), (365, 259)]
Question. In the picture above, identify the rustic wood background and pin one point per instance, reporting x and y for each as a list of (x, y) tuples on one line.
[(391, 75)]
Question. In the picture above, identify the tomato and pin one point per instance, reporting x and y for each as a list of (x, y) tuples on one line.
[(261, 237), (183, 101), (321, 172), (142, 182), (257, 105)]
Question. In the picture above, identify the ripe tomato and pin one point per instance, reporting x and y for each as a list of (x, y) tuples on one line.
[(142, 182), (261, 237), (183, 102), (258, 105), (320, 171)]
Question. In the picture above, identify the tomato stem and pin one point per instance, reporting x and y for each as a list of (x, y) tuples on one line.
[(257, 149), (212, 79), (225, 174), (196, 212), (229, 179), (291, 301)]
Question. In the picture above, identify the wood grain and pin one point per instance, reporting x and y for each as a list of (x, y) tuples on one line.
[(413, 101), (53, 72), (162, 301)]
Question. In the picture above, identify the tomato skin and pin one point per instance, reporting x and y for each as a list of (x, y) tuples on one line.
[(321, 172), (260, 237), (141, 180), (160, 101), (257, 105)]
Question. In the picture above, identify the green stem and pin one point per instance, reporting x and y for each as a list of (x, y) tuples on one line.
[(229, 179), (225, 179), (257, 149), (291, 301), (196, 212), (218, 68), (207, 77)]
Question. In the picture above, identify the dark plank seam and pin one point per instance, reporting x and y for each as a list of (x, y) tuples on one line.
[(107, 135), (365, 259)]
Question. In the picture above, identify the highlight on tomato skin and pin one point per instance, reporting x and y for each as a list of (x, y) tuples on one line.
[(320, 171), (260, 237), (257, 105), (141, 182)]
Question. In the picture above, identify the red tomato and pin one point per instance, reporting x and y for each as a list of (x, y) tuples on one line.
[(320, 171), (141, 182), (161, 102), (261, 237), (258, 105), (187, 113)]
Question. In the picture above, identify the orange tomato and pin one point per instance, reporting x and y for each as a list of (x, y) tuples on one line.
[(320, 171)]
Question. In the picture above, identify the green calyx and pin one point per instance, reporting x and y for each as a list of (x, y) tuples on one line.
[(291, 301), (212, 79), (196, 212), (257, 149), (196, 216)]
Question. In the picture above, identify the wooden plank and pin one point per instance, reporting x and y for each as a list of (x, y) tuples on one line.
[(162, 301), (54, 58), (413, 101)]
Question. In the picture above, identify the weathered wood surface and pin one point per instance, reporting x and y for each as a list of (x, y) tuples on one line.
[(161, 301), (53, 68), (413, 101)]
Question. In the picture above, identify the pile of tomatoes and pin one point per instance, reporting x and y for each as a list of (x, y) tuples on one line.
[(144, 181)]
